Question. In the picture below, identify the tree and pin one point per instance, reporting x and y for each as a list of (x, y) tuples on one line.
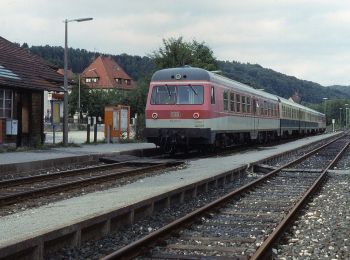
[(177, 53)]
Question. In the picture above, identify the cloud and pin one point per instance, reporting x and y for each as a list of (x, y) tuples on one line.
[(305, 38)]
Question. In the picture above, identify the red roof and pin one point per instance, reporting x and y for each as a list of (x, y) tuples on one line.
[(21, 69), (108, 74)]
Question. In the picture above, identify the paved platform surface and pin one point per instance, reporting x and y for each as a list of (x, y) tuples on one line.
[(32, 222), (53, 153), (76, 137)]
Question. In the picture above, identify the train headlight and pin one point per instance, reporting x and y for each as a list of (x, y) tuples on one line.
[(154, 115), (196, 115)]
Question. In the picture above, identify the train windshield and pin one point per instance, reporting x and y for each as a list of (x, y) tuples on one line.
[(183, 94)]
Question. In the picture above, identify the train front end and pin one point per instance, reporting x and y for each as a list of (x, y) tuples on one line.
[(177, 109)]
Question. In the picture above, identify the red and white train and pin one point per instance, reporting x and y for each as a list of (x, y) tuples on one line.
[(190, 107)]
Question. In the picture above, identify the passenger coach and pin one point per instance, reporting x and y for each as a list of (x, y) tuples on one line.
[(191, 107)]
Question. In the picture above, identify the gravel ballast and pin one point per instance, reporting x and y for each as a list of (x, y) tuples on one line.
[(322, 231)]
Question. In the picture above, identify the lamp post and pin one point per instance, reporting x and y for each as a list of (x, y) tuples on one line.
[(346, 116), (79, 98), (325, 99), (65, 82), (340, 112), (325, 107)]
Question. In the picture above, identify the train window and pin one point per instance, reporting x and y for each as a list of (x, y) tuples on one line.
[(238, 103), (289, 112), (232, 101), (275, 109), (265, 108), (244, 106), (255, 106), (187, 94), (212, 96), (248, 105), (225, 100)]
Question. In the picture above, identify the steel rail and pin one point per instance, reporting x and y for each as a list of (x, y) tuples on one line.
[(265, 247), (51, 176), (136, 247), (9, 199)]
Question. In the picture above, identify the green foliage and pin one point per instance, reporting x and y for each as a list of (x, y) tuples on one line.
[(334, 109), (74, 97), (177, 53)]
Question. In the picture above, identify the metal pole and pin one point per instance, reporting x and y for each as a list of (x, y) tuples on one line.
[(79, 100), (65, 102), (340, 111)]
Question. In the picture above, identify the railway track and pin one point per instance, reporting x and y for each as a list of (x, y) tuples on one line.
[(21, 189), (246, 222)]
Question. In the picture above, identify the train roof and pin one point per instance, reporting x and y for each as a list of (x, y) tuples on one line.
[(196, 74), (291, 103), (188, 73)]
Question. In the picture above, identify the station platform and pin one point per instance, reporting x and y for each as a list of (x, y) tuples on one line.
[(23, 226)]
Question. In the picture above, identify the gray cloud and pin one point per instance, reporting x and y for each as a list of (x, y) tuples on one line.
[(308, 39)]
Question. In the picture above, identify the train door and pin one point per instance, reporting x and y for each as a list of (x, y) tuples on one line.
[(299, 121), (255, 119)]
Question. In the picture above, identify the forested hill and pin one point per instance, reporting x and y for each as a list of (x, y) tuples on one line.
[(251, 74), (79, 59), (344, 89), (278, 83)]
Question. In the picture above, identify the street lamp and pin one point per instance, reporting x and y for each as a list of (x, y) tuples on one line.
[(79, 98), (65, 101), (325, 99), (346, 116)]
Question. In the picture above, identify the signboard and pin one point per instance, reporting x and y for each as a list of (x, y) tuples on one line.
[(55, 110), (11, 126), (124, 120), (116, 120)]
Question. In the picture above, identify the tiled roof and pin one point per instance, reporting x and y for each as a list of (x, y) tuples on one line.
[(70, 74), (21, 69), (107, 70)]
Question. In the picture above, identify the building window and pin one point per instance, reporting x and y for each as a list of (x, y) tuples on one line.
[(118, 80), (5, 103), (89, 80)]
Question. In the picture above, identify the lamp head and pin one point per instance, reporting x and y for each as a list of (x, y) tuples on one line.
[(83, 19)]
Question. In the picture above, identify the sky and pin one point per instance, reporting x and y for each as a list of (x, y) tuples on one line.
[(308, 39)]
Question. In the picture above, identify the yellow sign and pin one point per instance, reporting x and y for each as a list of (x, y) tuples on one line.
[(55, 113)]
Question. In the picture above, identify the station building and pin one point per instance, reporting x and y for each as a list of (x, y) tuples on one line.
[(23, 79)]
